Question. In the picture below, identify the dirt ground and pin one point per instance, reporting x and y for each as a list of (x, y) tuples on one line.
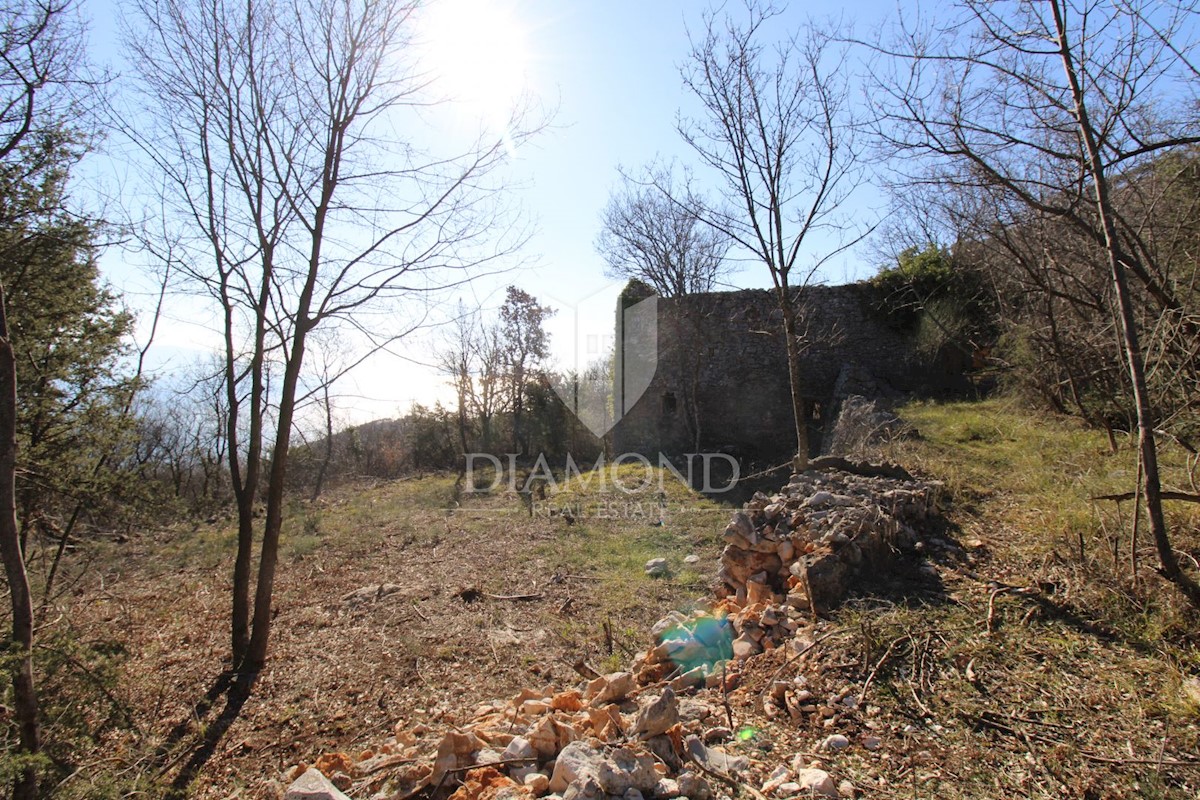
[(474, 605), (393, 611)]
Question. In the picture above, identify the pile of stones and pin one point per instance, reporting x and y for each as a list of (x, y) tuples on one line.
[(645, 733), (788, 556)]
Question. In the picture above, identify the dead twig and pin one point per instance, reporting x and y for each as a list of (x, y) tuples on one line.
[(514, 596), (1166, 762), (794, 659), (1184, 497), (874, 670), (734, 783), (586, 671)]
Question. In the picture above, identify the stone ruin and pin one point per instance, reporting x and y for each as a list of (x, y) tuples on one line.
[(652, 732)]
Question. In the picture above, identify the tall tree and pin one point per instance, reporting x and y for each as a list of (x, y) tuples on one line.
[(524, 345), (274, 126), (775, 129), (39, 56), (1047, 105), (653, 230)]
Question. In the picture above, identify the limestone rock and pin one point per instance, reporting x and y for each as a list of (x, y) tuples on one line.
[(455, 752), (776, 779), (657, 567), (519, 747), (609, 688), (538, 783), (693, 786), (714, 759), (816, 782), (666, 789), (313, 785), (576, 761), (835, 742), (654, 719), (548, 736), (627, 768)]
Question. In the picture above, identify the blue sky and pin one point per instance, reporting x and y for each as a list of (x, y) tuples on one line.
[(612, 69)]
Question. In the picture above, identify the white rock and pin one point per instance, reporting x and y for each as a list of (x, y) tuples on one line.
[(576, 761), (519, 747), (587, 788), (632, 794), (312, 785), (693, 786), (520, 773), (872, 743), (668, 623), (666, 788), (714, 758), (789, 789), (487, 756), (835, 742), (625, 769), (776, 779), (847, 789), (817, 782), (656, 567), (654, 719), (537, 782), (692, 559)]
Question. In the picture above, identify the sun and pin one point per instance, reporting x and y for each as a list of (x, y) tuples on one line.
[(478, 55)]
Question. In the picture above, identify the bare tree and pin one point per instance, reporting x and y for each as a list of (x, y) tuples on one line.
[(1048, 105), (777, 132), (276, 133), (653, 230)]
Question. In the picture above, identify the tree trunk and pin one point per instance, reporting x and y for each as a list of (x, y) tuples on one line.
[(319, 484), (800, 463), (1148, 454), (256, 653), (25, 784)]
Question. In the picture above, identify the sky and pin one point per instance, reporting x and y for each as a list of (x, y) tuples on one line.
[(610, 68)]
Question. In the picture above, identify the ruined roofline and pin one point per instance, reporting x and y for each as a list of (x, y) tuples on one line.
[(752, 292)]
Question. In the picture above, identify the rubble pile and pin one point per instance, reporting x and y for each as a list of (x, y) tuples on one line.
[(787, 556), (805, 545), (635, 735), (611, 739)]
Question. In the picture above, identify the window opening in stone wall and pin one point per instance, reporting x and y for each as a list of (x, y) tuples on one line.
[(669, 403)]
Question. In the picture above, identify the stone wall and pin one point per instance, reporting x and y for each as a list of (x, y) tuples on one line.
[(721, 382)]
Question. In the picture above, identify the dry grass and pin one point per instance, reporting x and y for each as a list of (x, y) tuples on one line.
[(1068, 688)]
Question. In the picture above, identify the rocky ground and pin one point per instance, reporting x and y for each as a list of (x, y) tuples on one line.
[(629, 734), (430, 644)]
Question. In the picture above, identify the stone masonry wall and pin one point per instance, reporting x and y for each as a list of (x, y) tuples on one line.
[(721, 382)]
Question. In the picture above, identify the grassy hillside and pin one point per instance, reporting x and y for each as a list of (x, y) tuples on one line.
[(1019, 659)]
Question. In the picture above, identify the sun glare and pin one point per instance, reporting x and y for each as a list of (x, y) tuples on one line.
[(479, 55)]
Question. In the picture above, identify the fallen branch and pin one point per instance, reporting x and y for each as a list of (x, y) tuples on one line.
[(1166, 762), (1183, 497), (862, 696), (514, 596), (864, 468), (721, 776), (583, 669)]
